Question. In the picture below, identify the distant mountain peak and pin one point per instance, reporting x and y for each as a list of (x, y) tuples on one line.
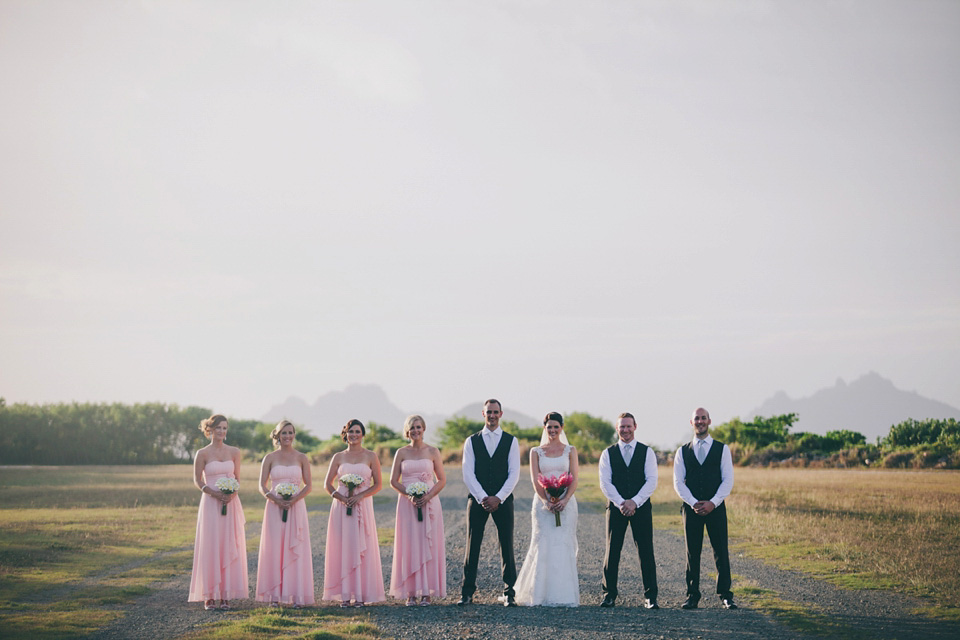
[(367, 402), (871, 404)]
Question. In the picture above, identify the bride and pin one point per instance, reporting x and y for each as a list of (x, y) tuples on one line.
[(549, 573)]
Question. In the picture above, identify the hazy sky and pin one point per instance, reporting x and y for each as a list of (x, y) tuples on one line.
[(598, 206)]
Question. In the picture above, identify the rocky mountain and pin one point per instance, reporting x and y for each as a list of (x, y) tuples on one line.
[(870, 404), (367, 402)]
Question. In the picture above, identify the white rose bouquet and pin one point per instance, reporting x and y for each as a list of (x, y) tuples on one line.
[(418, 490), (285, 490), (351, 481), (226, 485)]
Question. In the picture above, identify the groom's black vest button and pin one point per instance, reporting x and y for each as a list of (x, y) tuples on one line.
[(491, 472), (627, 480), (703, 480)]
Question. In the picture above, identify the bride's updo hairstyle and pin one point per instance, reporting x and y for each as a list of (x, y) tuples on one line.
[(553, 415), (275, 434), (207, 425), (346, 427)]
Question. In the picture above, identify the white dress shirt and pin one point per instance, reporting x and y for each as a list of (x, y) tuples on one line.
[(726, 474), (627, 449), (491, 439)]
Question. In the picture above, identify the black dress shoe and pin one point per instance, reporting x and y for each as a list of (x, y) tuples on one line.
[(608, 601), (465, 600), (728, 603), (690, 603), (509, 601), (650, 604)]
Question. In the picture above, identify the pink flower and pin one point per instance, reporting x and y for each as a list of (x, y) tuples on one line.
[(556, 486)]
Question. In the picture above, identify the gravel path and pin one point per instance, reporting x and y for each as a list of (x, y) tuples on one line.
[(165, 613)]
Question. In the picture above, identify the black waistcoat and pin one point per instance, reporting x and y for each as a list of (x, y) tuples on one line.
[(703, 480), (491, 472), (627, 480)]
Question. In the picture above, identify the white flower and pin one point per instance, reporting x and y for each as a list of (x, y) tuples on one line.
[(417, 489), (227, 485), (285, 490), (351, 480)]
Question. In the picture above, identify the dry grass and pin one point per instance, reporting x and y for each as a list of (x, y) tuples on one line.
[(124, 486), (861, 529), (60, 526)]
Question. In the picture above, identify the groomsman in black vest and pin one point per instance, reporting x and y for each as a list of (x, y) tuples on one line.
[(628, 477), (703, 478), (491, 469)]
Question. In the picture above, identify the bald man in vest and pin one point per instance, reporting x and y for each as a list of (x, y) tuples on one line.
[(703, 478)]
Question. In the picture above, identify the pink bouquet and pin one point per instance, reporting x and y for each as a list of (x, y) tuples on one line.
[(556, 486)]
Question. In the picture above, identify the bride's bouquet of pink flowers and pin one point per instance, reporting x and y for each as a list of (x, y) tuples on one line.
[(226, 485), (351, 481), (556, 486), (286, 490), (418, 490)]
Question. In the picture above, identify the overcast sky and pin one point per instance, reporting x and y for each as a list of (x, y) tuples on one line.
[(596, 206)]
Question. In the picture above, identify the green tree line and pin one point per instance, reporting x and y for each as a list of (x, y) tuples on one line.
[(151, 433), (156, 433), (911, 443)]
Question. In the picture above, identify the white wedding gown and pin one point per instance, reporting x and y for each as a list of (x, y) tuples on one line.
[(549, 573)]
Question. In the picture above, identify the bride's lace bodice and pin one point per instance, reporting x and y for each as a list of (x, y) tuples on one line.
[(554, 466)]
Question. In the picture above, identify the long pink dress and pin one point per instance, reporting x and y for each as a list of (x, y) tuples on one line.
[(419, 552), (220, 549), (351, 566), (285, 565)]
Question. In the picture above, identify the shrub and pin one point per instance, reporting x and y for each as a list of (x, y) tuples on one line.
[(898, 460)]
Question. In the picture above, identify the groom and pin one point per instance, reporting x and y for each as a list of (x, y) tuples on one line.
[(628, 476), (491, 469)]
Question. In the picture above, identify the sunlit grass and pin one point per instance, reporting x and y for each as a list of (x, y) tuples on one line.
[(125, 486), (127, 528), (289, 623), (45, 624), (853, 527), (41, 549), (799, 617)]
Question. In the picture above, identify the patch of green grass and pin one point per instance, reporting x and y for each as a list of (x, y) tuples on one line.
[(45, 548), (947, 614), (288, 623), (796, 616), (385, 536), (53, 625)]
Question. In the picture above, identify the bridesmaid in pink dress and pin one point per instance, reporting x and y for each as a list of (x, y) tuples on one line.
[(220, 550), (419, 552), (351, 567), (285, 566)]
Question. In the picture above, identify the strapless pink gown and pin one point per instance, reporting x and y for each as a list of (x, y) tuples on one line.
[(220, 550), (285, 565), (351, 566), (419, 551)]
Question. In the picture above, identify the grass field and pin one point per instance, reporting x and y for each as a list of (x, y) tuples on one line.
[(77, 541), (878, 529)]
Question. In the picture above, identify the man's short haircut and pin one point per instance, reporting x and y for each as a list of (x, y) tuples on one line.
[(494, 401)]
